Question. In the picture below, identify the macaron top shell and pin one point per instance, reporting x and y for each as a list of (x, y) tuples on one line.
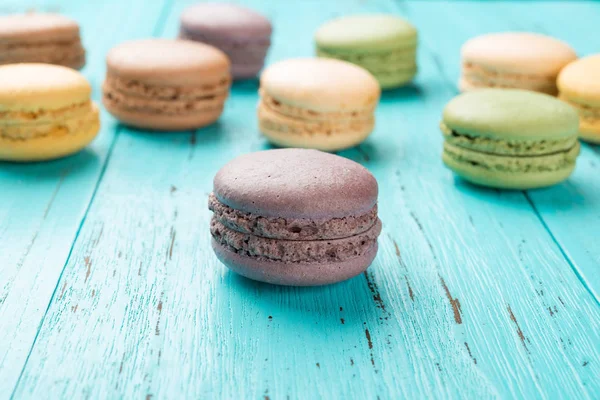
[(226, 20), (518, 52), (296, 183), (580, 81), (30, 87), (168, 62), (510, 114), (319, 84), (367, 31), (36, 27)]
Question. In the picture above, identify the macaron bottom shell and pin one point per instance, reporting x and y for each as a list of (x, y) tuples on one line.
[(163, 122), (510, 172), (294, 274), (59, 142), (280, 136)]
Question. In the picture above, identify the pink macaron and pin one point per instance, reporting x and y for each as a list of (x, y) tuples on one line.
[(241, 33)]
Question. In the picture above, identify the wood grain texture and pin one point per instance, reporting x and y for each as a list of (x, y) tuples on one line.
[(470, 295), (43, 204)]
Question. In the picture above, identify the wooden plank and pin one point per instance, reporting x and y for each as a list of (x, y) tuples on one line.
[(572, 210), (43, 204), (569, 210), (468, 297)]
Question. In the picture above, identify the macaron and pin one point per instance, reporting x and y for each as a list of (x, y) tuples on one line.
[(518, 60), (45, 112), (295, 217), (510, 138), (40, 38), (168, 85), (579, 85), (385, 45), (317, 103), (241, 33)]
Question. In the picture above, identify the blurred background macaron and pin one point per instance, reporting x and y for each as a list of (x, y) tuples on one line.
[(317, 103), (164, 84), (385, 45), (519, 60), (40, 38), (241, 33), (510, 138), (579, 85), (45, 112)]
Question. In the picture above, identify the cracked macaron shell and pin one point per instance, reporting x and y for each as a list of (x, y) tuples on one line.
[(510, 114), (323, 186)]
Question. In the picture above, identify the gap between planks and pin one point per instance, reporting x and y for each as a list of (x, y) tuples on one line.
[(160, 24)]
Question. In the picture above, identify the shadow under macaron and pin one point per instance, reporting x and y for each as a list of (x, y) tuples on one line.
[(204, 135), (409, 91), (78, 163), (560, 197), (331, 300)]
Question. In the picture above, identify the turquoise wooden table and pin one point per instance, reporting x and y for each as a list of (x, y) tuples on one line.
[(109, 288)]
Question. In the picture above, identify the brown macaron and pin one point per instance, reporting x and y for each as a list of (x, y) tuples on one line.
[(40, 38), (167, 85)]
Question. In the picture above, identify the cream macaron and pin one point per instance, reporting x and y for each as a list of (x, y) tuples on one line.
[(318, 103), (517, 60), (45, 112), (579, 85)]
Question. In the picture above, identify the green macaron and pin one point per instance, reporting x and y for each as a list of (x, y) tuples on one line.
[(384, 45), (510, 138)]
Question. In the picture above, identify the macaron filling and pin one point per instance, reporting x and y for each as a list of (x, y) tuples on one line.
[(508, 147), (291, 228), (505, 163)]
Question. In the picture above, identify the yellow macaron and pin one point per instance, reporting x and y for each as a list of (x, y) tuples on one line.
[(45, 112), (579, 85)]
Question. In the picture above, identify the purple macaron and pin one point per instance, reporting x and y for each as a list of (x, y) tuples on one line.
[(295, 217), (243, 34)]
